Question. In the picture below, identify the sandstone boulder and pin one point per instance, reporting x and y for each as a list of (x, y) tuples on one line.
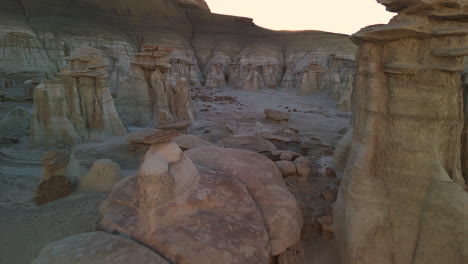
[(187, 142), (61, 162), (276, 115), (97, 248), (247, 142), (303, 170), (54, 188), (264, 182), (287, 168), (102, 177), (188, 215), (60, 175)]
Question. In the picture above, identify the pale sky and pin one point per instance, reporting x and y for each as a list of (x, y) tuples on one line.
[(339, 16)]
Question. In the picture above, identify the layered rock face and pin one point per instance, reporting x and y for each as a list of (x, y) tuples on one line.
[(77, 105), (233, 51), (148, 96), (210, 49), (37, 36), (215, 213), (403, 197)]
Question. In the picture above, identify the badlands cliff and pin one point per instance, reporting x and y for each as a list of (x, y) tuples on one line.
[(215, 50)]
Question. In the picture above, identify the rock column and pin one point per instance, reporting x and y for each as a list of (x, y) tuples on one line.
[(402, 198)]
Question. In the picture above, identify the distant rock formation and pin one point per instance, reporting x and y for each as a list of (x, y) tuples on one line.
[(210, 49), (76, 106), (217, 212), (403, 196), (148, 97)]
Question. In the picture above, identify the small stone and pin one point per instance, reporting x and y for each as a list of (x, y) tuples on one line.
[(303, 170), (329, 195), (330, 172), (102, 177), (304, 160), (54, 188), (325, 220), (338, 182), (287, 168), (286, 156), (276, 115)]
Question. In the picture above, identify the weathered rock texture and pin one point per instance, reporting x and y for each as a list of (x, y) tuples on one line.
[(147, 96), (402, 198), (265, 184), (61, 162), (77, 106), (233, 51), (97, 248), (60, 173), (195, 214), (210, 49), (102, 177)]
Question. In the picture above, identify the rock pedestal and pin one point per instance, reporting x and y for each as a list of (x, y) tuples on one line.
[(402, 198), (77, 105), (147, 96), (206, 214)]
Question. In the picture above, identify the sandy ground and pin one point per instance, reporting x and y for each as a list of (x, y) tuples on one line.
[(25, 228)]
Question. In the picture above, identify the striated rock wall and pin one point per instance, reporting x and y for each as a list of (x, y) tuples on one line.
[(77, 105), (36, 37), (234, 51), (403, 196)]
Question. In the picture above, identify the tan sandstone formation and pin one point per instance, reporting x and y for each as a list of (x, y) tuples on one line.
[(102, 177), (204, 214), (265, 184), (147, 96), (37, 36), (77, 106), (187, 215), (97, 248), (402, 198), (61, 173)]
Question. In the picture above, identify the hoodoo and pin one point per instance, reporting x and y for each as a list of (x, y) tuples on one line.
[(403, 197)]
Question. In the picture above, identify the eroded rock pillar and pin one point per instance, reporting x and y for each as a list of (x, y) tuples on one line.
[(402, 198)]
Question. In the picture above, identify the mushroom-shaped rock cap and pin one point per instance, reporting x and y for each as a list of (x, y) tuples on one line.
[(151, 136), (160, 137)]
